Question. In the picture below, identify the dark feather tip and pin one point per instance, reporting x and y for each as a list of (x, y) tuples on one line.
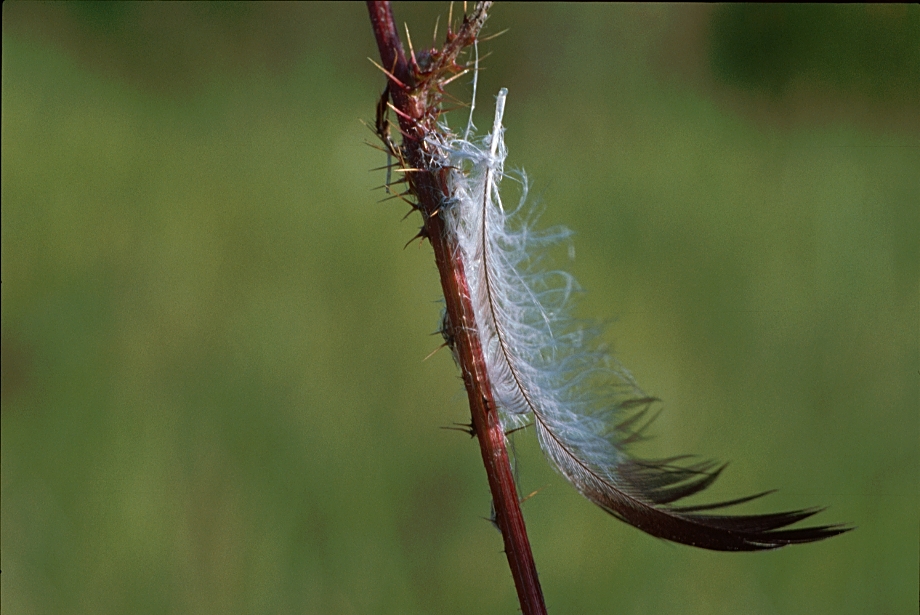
[(654, 485)]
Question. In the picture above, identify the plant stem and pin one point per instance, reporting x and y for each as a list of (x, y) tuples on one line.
[(411, 97)]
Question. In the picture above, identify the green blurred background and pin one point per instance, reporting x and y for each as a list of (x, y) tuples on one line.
[(213, 394)]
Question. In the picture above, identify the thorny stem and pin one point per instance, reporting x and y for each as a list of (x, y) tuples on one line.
[(415, 94)]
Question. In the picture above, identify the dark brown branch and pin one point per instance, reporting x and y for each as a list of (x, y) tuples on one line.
[(416, 93)]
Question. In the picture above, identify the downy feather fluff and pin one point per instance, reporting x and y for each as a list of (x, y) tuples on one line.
[(548, 367)]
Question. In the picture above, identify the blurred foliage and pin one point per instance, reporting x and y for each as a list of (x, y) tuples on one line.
[(863, 47), (213, 393)]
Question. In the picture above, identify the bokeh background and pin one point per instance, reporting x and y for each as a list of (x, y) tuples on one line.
[(214, 398)]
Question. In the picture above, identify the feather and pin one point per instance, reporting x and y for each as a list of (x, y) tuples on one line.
[(545, 364)]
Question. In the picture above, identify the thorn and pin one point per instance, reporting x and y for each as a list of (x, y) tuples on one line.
[(524, 499), (455, 100), (493, 518), (377, 147), (496, 35), (433, 352), (405, 135), (390, 75), (457, 76), (434, 38), (452, 108), (464, 427), (401, 114), (409, 213), (389, 190), (396, 195), (422, 234), (401, 197), (389, 185), (411, 50)]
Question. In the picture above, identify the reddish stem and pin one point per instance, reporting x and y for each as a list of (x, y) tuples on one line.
[(430, 189)]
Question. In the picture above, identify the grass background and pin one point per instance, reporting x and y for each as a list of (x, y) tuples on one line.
[(213, 394)]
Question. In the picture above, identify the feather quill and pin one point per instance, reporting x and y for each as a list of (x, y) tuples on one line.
[(547, 366)]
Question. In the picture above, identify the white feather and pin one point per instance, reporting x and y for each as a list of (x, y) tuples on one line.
[(547, 365), (541, 361)]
